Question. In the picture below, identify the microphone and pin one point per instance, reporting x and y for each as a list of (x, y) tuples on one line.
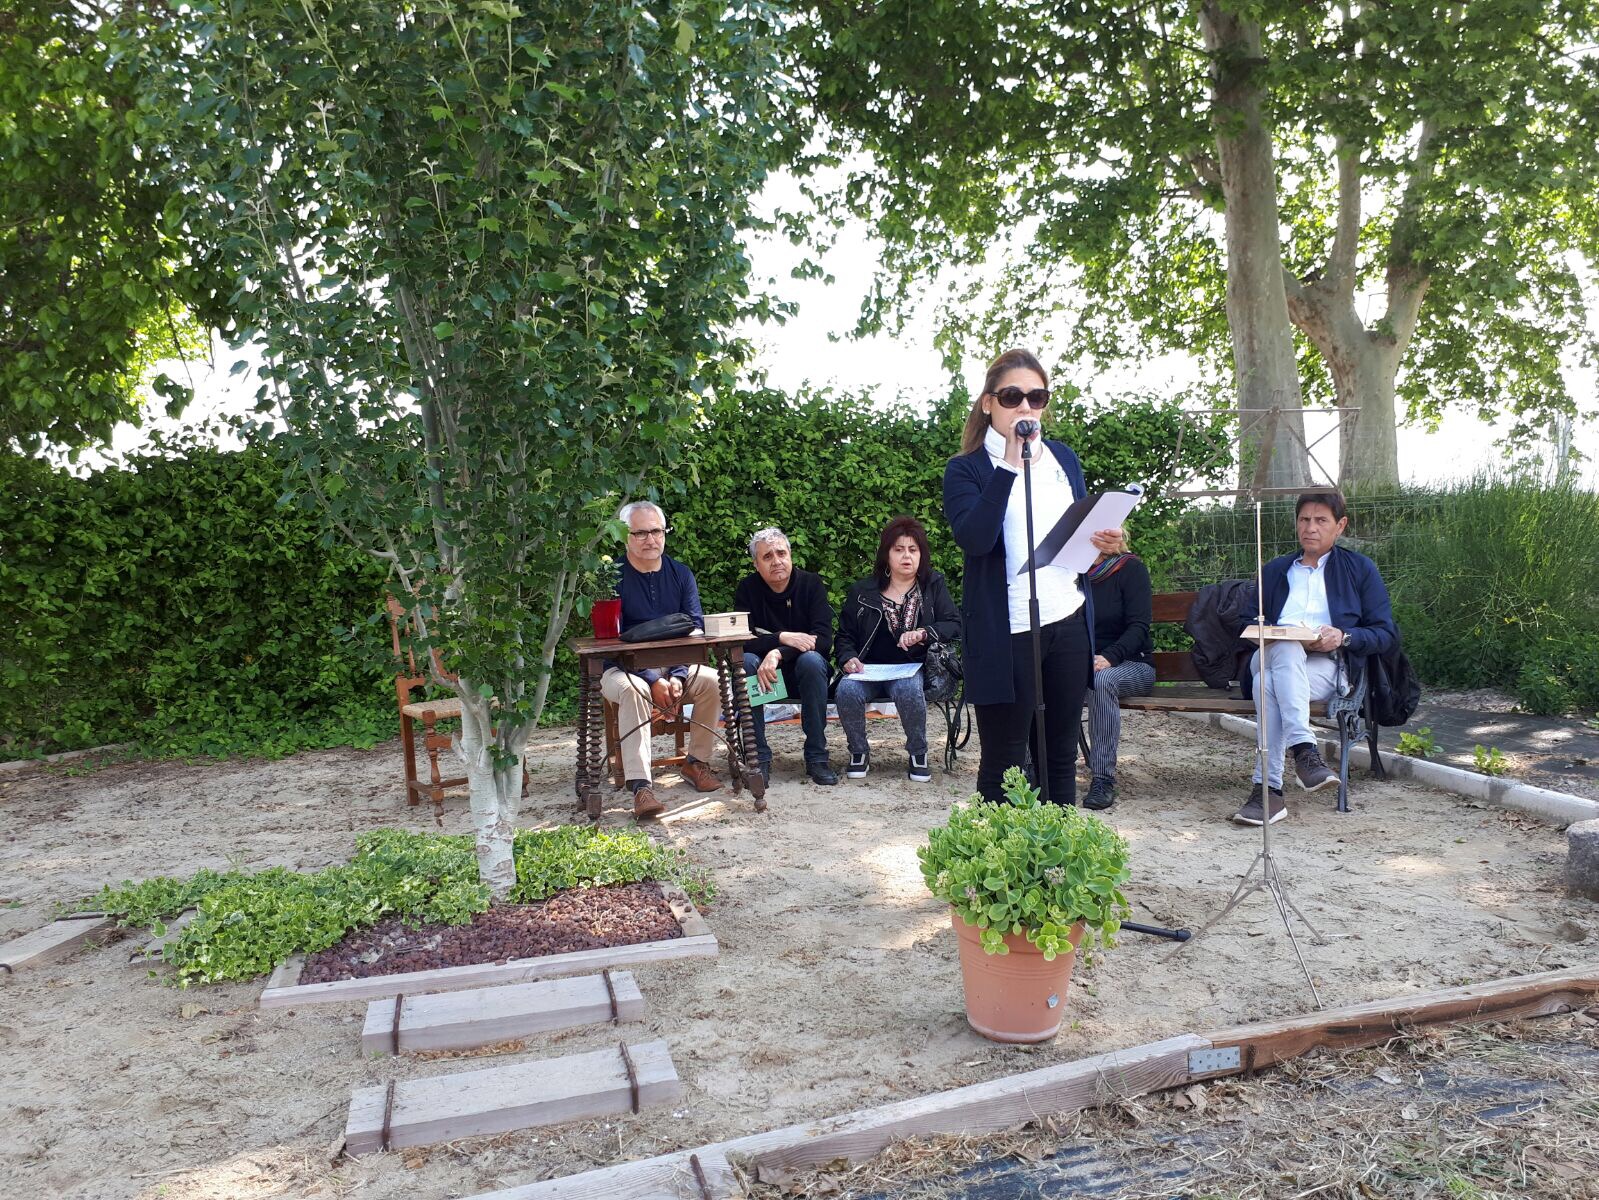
[(1025, 429)]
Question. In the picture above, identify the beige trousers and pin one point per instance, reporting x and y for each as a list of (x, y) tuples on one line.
[(631, 695)]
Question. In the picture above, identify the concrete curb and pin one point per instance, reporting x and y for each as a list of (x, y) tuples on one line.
[(20, 766), (1557, 807)]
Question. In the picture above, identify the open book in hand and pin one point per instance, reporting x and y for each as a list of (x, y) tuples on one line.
[(1068, 545)]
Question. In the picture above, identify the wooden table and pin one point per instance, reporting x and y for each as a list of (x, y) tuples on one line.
[(723, 651)]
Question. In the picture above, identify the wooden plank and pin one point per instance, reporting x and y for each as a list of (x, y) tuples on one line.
[(488, 1016), (153, 952), (515, 1096), (1268, 1042), (56, 940), (1171, 607), (1188, 701), (668, 1177), (516, 970), (980, 1108), (989, 1107), (287, 974), (1177, 666), (688, 917)]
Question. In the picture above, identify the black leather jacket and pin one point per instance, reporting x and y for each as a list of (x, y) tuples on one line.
[(862, 633)]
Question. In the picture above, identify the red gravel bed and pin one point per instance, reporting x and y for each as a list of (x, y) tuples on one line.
[(581, 919)]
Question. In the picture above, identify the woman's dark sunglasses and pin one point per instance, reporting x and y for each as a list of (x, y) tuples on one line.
[(1012, 397)]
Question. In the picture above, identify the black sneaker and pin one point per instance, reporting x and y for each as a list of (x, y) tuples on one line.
[(859, 765), (917, 772), (821, 773), (1254, 813), (1101, 793), (1313, 773)]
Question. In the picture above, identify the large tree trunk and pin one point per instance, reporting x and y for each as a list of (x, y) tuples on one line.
[(495, 793), (1363, 365), (1272, 447)]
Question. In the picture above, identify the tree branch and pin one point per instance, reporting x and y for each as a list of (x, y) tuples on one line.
[(1342, 258)]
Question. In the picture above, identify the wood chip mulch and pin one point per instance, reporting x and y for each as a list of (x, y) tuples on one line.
[(580, 919)]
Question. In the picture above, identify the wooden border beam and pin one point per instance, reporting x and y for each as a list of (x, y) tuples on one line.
[(283, 989), (1014, 1100), (488, 1016), (55, 940)]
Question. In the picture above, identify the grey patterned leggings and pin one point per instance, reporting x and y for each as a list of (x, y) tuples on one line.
[(1105, 716), (853, 695)]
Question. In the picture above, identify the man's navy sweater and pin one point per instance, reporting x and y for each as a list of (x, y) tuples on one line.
[(650, 594)]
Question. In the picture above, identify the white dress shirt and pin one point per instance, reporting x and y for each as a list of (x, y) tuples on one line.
[(1306, 605), (1059, 594)]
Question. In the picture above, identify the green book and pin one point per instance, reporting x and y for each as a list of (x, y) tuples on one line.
[(759, 696)]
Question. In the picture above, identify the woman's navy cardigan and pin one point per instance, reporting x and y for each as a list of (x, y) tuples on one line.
[(975, 497)]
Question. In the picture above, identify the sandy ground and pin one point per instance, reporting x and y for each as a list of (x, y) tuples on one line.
[(837, 986)]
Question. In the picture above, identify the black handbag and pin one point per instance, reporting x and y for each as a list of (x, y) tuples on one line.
[(941, 669), (658, 629)]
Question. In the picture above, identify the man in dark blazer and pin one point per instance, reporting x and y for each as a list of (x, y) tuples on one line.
[(1339, 593)]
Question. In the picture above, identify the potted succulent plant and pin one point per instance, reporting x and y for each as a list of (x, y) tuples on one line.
[(1027, 885)]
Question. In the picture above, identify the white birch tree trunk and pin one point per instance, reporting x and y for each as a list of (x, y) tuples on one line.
[(494, 793)]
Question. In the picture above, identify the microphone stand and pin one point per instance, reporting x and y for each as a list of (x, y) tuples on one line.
[(1040, 746)]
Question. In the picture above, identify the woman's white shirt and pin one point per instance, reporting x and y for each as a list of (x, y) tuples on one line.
[(1059, 593)]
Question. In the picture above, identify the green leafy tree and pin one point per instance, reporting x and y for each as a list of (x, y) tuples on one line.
[(98, 278), (492, 257), (1406, 186)]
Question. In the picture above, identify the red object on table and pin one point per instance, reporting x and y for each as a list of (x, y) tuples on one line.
[(606, 617)]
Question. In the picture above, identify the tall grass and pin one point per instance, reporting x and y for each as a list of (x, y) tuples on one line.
[(1495, 581)]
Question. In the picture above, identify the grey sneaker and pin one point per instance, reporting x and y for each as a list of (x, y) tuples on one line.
[(1313, 773), (1101, 793), (859, 765), (917, 772), (1254, 812)]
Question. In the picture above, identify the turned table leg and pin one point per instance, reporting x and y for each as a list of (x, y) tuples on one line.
[(590, 740), (739, 717)]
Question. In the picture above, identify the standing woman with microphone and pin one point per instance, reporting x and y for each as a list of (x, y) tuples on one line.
[(985, 504)]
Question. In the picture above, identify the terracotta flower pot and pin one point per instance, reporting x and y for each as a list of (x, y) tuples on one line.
[(1015, 997)]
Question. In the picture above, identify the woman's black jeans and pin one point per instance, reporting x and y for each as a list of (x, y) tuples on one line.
[(1005, 729)]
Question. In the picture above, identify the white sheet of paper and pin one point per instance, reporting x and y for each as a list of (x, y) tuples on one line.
[(884, 672), (1078, 554)]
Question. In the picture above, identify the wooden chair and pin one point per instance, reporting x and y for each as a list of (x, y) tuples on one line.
[(429, 713), (677, 726)]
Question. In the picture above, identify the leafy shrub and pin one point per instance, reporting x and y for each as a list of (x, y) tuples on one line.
[(247, 923), (1490, 760), (1417, 745), (1028, 868)]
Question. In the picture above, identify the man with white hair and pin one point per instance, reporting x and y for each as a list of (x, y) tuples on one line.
[(792, 623), (653, 584)]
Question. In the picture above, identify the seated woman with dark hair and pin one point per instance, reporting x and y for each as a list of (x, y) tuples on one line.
[(889, 619), (1124, 664)]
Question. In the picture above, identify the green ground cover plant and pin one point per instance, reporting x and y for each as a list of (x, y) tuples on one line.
[(248, 922), (1417, 745)]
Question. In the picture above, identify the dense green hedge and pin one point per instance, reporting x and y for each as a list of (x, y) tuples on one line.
[(176, 604)]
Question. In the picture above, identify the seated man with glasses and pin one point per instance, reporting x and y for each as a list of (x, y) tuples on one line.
[(792, 624), (653, 584)]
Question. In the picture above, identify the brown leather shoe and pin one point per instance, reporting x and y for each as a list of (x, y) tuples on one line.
[(645, 805), (701, 776)]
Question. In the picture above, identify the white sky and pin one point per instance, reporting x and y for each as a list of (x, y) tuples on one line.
[(908, 368)]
